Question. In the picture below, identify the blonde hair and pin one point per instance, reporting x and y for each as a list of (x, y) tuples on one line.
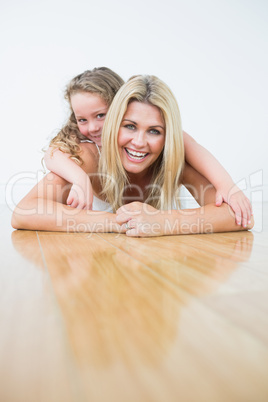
[(167, 169), (101, 81)]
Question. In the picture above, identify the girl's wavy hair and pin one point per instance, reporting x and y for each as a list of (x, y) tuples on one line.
[(101, 81), (166, 170)]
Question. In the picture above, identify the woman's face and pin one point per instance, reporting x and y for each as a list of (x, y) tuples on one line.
[(141, 137), (90, 112)]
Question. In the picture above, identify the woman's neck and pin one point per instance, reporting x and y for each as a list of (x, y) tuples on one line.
[(136, 189)]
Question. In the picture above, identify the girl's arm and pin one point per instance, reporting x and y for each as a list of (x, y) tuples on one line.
[(144, 220), (44, 208), (205, 163), (81, 193)]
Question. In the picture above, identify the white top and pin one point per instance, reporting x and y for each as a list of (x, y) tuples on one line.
[(100, 205), (186, 201), (92, 142)]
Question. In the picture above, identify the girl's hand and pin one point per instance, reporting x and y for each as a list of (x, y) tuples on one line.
[(140, 220), (81, 195), (239, 203)]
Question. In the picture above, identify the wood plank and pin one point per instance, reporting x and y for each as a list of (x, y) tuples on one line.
[(34, 363)]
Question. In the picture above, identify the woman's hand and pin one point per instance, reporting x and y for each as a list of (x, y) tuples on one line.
[(141, 220), (239, 203)]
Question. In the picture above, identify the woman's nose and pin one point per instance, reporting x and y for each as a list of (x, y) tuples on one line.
[(139, 139)]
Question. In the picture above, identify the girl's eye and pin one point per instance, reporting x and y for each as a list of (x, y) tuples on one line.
[(81, 120), (100, 116)]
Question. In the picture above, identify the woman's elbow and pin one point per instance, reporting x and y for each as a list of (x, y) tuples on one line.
[(15, 220), (18, 220), (21, 218)]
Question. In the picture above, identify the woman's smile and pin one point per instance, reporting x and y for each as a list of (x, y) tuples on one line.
[(135, 155)]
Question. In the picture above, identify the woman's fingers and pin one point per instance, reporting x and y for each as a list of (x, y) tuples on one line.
[(133, 233), (122, 218), (132, 207), (138, 220)]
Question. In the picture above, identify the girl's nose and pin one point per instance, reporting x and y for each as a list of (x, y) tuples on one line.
[(139, 139), (93, 127)]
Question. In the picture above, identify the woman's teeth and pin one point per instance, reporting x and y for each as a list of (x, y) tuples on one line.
[(136, 155)]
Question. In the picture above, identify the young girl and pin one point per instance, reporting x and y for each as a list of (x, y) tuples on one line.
[(90, 95)]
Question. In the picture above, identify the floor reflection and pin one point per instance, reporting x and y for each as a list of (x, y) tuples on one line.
[(118, 308)]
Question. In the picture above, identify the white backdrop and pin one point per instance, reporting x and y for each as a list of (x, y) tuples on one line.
[(212, 53)]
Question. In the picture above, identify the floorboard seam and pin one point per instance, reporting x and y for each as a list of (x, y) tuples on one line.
[(42, 254)]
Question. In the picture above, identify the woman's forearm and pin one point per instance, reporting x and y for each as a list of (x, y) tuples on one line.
[(206, 219), (143, 220), (44, 208), (42, 214)]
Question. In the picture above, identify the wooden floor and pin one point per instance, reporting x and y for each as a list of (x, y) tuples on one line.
[(107, 318)]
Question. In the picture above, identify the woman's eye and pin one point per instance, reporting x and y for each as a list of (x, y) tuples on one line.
[(130, 126), (153, 131)]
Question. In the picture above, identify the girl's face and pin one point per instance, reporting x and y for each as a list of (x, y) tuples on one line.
[(141, 137), (90, 112)]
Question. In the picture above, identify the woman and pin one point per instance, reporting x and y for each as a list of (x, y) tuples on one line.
[(142, 160)]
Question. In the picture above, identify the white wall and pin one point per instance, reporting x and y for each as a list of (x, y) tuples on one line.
[(212, 53)]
